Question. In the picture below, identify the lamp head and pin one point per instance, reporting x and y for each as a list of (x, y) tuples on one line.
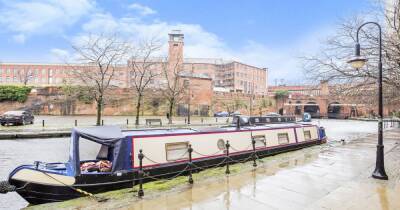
[(358, 61)]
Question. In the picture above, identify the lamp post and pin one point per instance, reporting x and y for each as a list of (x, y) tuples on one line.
[(359, 62), (187, 86)]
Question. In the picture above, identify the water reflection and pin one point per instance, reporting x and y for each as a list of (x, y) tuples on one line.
[(230, 192), (383, 200)]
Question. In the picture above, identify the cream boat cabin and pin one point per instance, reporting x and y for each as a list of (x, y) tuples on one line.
[(172, 146), (165, 153)]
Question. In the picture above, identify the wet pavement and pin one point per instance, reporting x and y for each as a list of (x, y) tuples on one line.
[(334, 176), (327, 176)]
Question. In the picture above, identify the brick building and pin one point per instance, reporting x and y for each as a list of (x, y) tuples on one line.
[(232, 76)]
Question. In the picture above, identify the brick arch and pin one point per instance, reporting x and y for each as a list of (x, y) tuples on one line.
[(334, 110), (313, 109)]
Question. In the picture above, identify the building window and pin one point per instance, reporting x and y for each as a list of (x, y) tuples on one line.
[(283, 138), (260, 141), (307, 135), (177, 151)]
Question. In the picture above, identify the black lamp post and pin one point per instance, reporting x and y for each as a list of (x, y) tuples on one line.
[(358, 62), (187, 86)]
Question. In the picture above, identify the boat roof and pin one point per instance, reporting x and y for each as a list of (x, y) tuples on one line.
[(105, 135), (166, 131)]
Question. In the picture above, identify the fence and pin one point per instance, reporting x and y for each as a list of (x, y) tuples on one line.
[(191, 167)]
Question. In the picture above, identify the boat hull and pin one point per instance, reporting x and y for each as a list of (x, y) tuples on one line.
[(39, 193)]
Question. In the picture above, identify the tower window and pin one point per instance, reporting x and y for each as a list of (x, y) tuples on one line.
[(175, 45)]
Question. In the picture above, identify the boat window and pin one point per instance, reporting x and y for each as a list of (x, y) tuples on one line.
[(307, 135), (260, 140), (177, 151), (283, 138), (88, 150), (103, 153)]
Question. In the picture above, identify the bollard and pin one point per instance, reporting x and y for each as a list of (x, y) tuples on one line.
[(202, 120), (127, 121), (216, 119), (253, 142), (42, 123), (190, 150), (227, 145), (141, 173), (185, 120), (102, 122), (76, 123)]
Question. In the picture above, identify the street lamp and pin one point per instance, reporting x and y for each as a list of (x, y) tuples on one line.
[(358, 62)]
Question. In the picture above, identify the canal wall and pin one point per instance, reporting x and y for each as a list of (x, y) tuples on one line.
[(122, 101)]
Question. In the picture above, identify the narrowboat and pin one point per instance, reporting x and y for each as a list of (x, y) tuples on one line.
[(165, 153)]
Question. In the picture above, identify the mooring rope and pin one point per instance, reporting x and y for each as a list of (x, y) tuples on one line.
[(207, 155), (153, 161), (169, 178), (98, 199)]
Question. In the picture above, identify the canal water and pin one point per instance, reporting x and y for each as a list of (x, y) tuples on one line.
[(17, 152)]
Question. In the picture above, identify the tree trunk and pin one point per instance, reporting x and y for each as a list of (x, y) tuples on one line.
[(171, 107), (138, 103), (98, 115)]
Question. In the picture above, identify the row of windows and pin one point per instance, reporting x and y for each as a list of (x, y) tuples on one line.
[(178, 150), (32, 80), (35, 71), (249, 76)]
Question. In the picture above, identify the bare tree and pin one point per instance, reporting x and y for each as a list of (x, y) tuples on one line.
[(330, 63), (25, 75), (100, 56), (173, 88), (264, 103), (141, 70)]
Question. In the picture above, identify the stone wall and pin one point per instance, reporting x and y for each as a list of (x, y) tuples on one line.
[(231, 102)]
